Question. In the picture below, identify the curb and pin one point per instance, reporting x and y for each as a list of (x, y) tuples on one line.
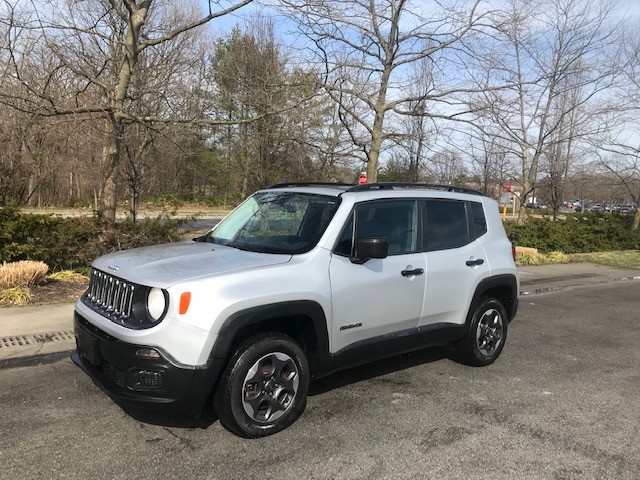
[(36, 330), (29, 345), (557, 288)]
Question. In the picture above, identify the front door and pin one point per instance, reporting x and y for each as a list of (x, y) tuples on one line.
[(381, 296)]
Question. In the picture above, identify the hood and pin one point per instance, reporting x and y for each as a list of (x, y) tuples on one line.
[(168, 264)]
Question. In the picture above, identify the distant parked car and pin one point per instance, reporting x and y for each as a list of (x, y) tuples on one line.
[(597, 207), (612, 208), (535, 205), (628, 208)]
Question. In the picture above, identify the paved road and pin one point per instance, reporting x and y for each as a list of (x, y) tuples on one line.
[(201, 224), (561, 403)]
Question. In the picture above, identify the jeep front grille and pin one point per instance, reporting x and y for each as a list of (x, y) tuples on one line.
[(110, 295)]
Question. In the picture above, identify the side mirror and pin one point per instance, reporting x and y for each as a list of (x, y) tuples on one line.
[(370, 247)]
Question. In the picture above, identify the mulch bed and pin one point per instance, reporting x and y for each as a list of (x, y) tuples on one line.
[(57, 291)]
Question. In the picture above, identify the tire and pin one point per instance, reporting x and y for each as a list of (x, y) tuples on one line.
[(264, 386), (486, 334)]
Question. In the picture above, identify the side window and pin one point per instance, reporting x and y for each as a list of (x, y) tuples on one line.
[(395, 220), (479, 220), (446, 224)]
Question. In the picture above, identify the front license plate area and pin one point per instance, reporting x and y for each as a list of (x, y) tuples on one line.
[(88, 347)]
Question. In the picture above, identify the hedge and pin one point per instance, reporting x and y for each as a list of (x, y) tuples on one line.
[(73, 243), (589, 232)]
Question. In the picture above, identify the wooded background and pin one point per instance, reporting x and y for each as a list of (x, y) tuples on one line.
[(108, 101)]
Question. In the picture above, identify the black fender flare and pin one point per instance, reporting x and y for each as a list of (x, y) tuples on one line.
[(498, 281), (281, 310)]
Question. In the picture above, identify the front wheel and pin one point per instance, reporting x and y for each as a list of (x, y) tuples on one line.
[(264, 387), (486, 334)]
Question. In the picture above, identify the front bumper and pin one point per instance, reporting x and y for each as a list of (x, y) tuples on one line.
[(152, 383)]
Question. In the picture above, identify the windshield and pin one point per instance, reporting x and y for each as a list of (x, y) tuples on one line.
[(276, 222)]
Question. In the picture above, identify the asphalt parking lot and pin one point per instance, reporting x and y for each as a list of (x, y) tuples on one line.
[(562, 402)]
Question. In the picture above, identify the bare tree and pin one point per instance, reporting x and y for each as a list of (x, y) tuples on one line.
[(546, 51), (366, 48), (622, 162), (95, 50), (617, 145), (492, 164), (569, 116), (447, 167), (420, 131)]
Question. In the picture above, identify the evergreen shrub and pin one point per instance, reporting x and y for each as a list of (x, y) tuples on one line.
[(73, 243), (589, 232)]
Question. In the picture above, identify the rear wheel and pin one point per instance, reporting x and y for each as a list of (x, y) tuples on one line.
[(486, 334), (264, 387)]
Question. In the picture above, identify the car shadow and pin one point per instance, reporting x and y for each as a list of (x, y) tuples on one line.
[(167, 419), (379, 368)]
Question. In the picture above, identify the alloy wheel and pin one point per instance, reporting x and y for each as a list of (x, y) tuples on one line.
[(270, 387), (489, 333)]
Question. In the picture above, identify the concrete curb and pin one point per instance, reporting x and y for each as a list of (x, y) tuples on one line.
[(37, 330), (535, 280)]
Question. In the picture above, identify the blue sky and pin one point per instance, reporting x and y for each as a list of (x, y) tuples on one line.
[(223, 25)]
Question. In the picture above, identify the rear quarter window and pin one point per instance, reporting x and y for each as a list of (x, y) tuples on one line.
[(479, 219)]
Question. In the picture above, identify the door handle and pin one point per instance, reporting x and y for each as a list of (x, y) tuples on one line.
[(411, 273), (473, 263)]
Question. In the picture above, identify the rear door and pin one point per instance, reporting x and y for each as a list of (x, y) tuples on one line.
[(455, 258)]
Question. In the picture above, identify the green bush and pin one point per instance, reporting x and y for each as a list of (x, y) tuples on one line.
[(584, 233), (73, 243)]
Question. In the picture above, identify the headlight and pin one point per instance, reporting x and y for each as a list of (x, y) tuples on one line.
[(156, 303)]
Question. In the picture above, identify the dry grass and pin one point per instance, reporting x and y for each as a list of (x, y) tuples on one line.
[(531, 256), (528, 256), (15, 296), (23, 283), (557, 257), (24, 273), (620, 259), (67, 276)]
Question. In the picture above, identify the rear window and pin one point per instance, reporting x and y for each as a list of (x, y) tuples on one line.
[(446, 224)]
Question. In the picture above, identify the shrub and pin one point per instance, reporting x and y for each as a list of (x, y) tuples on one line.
[(15, 296), (528, 256), (24, 273), (584, 233), (557, 257), (531, 256), (73, 243)]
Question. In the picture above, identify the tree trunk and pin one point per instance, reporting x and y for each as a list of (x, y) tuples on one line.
[(110, 161), (374, 153), (526, 188)]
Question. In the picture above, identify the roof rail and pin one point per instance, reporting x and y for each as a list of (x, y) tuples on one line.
[(311, 184), (394, 185)]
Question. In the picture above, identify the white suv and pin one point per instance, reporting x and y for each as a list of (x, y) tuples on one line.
[(299, 281)]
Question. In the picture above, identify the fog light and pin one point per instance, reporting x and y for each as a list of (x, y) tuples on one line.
[(147, 353), (145, 379)]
